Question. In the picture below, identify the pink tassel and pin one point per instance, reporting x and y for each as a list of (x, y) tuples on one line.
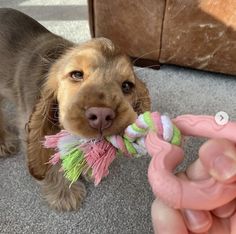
[(51, 141), (99, 155), (54, 159)]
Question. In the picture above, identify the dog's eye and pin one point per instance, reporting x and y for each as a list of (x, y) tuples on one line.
[(77, 75), (127, 87)]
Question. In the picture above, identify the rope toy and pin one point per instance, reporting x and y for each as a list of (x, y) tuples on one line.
[(92, 157)]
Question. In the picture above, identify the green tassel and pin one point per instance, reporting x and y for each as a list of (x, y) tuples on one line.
[(148, 119), (89, 173), (137, 129), (129, 147), (74, 164), (176, 138)]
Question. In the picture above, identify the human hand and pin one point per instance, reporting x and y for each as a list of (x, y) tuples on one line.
[(220, 220), (204, 196)]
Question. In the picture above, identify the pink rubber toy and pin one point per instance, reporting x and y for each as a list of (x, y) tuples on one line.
[(176, 192)]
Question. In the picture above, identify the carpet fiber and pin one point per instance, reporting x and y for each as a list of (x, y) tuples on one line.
[(121, 203)]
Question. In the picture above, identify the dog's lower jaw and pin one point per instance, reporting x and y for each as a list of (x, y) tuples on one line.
[(57, 191)]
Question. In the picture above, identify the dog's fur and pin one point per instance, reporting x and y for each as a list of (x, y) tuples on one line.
[(35, 74)]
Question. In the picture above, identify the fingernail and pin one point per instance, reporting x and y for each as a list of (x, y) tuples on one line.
[(224, 167), (196, 220), (226, 210)]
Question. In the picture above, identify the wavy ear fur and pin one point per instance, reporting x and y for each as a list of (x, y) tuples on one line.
[(43, 121), (142, 100)]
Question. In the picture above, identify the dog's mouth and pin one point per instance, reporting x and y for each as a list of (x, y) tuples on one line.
[(97, 122), (81, 127), (89, 132)]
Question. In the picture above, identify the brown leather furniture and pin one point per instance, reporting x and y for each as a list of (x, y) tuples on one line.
[(195, 33)]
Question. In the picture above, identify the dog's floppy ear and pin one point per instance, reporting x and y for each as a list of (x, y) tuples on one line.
[(142, 99), (43, 121)]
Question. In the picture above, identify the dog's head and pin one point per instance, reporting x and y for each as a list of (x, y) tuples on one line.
[(95, 92), (96, 89)]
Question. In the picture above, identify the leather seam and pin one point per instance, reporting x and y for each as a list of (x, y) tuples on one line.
[(91, 13), (162, 27)]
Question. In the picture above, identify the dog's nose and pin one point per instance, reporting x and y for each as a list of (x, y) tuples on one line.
[(100, 117)]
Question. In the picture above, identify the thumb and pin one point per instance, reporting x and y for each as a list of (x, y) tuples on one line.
[(218, 156)]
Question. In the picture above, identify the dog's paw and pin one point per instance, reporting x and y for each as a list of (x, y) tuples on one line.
[(65, 198), (8, 147)]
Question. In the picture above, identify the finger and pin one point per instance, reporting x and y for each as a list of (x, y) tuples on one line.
[(205, 126), (219, 158), (167, 220), (226, 210), (233, 224), (206, 194), (220, 226), (197, 221), (196, 171)]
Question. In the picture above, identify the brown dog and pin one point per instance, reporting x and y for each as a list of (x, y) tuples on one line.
[(89, 89)]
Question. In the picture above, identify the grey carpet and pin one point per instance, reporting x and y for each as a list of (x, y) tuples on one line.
[(121, 203)]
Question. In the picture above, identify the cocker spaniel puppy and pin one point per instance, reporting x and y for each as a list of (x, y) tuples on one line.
[(89, 89)]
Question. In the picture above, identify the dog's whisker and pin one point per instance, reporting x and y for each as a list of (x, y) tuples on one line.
[(55, 108), (151, 51), (143, 98), (141, 68), (53, 124)]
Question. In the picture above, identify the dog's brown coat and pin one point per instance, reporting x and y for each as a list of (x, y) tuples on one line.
[(35, 68)]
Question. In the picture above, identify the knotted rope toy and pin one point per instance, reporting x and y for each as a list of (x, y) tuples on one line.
[(92, 157)]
